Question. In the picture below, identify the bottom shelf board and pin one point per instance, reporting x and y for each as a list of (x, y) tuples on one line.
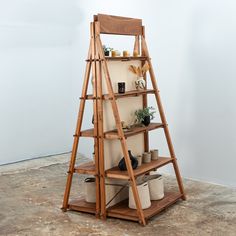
[(122, 211), (81, 205)]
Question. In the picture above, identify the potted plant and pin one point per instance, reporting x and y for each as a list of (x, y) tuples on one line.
[(107, 50), (144, 116)]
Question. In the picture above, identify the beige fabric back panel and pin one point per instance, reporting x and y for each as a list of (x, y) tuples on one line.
[(112, 148)]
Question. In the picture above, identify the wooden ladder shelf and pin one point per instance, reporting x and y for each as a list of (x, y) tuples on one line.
[(96, 64)]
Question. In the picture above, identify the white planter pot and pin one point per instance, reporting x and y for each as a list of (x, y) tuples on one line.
[(144, 196), (90, 190), (156, 188)]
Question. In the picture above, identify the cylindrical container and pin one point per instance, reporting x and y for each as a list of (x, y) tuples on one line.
[(140, 160), (90, 190), (144, 196), (135, 53), (117, 53), (125, 54), (121, 87), (146, 157), (94, 157), (156, 188), (154, 154), (113, 53)]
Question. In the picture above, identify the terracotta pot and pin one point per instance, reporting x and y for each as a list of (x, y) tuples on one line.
[(144, 196)]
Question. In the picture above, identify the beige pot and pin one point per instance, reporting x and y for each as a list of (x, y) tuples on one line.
[(90, 190), (140, 160), (154, 154), (144, 196), (156, 188), (146, 157)]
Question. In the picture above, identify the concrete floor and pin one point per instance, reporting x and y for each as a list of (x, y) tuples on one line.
[(31, 196)]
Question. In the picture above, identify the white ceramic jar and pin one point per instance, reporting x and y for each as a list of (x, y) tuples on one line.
[(90, 190), (144, 195), (156, 188)]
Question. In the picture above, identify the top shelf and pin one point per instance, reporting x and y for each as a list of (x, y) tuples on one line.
[(126, 58)]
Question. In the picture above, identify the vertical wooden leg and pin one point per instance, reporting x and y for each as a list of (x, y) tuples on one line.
[(120, 132), (95, 114), (76, 139), (163, 119), (101, 143), (77, 132)]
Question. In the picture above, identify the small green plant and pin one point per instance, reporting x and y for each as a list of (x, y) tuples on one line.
[(142, 113), (107, 49)]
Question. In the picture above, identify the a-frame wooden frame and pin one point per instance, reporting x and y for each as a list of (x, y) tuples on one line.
[(97, 62)]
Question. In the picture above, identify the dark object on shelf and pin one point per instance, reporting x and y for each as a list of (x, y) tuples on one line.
[(146, 120), (134, 162), (107, 50), (145, 115), (121, 87)]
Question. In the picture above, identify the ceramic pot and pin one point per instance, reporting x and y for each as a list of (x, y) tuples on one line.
[(140, 160), (134, 162), (113, 53), (144, 195), (146, 157), (154, 154), (107, 53), (90, 190), (125, 54), (156, 188), (146, 121), (140, 83)]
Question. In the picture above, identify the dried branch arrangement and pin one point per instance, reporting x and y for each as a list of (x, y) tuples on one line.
[(139, 71)]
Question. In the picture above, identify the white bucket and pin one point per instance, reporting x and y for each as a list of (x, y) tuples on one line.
[(156, 188), (90, 190), (144, 196)]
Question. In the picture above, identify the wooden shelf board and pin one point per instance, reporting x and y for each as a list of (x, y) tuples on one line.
[(87, 133), (141, 58), (122, 211), (116, 173), (131, 93), (112, 134), (86, 168), (133, 131), (81, 205)]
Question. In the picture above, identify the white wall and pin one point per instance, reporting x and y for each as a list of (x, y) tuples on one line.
[(192, 44)]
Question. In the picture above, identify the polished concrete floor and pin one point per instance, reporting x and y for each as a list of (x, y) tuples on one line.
[(31, 194)]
